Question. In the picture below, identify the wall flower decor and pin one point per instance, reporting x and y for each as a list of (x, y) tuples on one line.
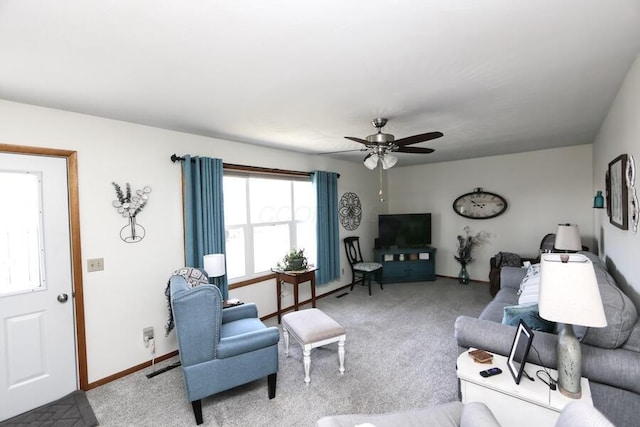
[(350, 211), (129, 206)]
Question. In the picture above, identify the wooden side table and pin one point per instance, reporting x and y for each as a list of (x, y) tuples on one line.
[(530, 403), (295, 278)]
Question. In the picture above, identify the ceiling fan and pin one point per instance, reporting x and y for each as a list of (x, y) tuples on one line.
[(380, 145)]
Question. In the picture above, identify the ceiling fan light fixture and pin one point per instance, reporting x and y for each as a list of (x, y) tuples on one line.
[(371, 161), (380, 145), (388, 161), (380, 138)]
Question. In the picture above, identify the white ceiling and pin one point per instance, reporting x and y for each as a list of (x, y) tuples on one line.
[(495, 76)]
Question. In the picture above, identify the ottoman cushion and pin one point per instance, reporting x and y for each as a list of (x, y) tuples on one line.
[(311, 325)]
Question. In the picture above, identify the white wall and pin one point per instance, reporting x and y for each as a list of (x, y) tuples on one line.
[(620, 134), (128, 295), (542, 188)]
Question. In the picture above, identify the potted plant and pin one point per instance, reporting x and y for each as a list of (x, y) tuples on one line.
[(294, 260)]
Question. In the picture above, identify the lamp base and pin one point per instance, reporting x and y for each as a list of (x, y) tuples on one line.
[(570, 394), (569, 363)]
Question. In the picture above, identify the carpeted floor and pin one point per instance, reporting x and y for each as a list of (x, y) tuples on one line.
[(72, 410), (400, 354)]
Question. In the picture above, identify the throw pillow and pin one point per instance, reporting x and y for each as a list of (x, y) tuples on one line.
[(529, 314), (530, 286)]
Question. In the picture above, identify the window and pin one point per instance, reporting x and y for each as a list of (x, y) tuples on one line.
[(264, 218), (20, 233)]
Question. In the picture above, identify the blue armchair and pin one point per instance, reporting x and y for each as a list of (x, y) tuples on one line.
[(220, 349)]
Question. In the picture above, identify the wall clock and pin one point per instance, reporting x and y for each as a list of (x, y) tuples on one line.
[(350, 211), (480, 204)]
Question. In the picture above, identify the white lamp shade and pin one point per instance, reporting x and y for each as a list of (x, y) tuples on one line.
[(388, 161), (214, 265), (569, 290), (568, 238), (371, 161)]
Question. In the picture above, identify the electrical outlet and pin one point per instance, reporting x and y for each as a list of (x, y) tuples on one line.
[(343, 271), (147, 334), (95, 264)]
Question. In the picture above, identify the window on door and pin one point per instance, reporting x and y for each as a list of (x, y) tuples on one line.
[(21, 245), (264, 218)]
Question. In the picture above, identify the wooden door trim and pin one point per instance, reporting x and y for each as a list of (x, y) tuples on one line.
[(76, 253)]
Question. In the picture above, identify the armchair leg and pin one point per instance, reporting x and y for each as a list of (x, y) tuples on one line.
[(271, 380), (197, 410)]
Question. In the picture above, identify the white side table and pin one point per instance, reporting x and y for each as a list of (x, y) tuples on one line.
[(530, 403)]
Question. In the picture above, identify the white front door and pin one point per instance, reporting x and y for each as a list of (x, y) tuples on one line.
[(37, 328)]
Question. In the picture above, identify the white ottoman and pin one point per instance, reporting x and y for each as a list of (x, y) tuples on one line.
[(312, 328)]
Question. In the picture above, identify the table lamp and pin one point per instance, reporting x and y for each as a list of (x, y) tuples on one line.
[(214, 265), (569, 295), (567, 238)]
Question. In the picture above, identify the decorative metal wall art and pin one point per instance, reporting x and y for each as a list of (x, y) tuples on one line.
[(633, 196), (350, 211), (617, 195), (129, 206)]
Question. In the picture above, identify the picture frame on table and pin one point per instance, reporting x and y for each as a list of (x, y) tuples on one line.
[(520, 351), (617, 197)]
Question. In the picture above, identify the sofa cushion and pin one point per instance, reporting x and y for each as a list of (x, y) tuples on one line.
[(494, 310), (529, 314), (633, 342), (620, 312)]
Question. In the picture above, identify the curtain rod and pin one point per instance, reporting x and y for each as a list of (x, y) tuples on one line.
[(257, 169)]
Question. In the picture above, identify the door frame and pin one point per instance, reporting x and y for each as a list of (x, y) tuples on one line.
[(76, 254)]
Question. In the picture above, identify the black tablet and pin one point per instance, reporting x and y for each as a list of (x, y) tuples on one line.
[(519, 351)]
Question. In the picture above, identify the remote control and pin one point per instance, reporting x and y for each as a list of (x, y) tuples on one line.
[(490, 372)]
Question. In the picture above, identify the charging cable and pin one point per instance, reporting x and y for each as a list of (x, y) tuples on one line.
[(549, 381), (152, 349), (527, 375)]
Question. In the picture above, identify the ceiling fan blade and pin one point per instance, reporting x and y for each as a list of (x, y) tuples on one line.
[(418, 138), (415, 150), (343, 151), (360, 140)]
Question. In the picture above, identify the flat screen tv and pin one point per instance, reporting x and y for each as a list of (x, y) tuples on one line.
[(404, 230)]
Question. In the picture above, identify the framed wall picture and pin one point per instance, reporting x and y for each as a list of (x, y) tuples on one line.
[(607, 191), (618, 192)]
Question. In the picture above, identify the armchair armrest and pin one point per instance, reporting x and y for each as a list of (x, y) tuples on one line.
[(247, 342), (243, 311)]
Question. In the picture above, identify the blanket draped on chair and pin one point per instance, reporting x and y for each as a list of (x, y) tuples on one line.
[(194, 277)]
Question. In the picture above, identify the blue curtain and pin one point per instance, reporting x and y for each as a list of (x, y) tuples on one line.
[(203, 212), (327, 233)]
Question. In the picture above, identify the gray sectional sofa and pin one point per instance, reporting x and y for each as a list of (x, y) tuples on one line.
[(456, 414), (610, 355)]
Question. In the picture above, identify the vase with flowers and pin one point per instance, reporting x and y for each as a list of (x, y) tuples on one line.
[(466, 243)]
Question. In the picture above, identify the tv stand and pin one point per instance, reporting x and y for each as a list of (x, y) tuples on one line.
[(407, 264)]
